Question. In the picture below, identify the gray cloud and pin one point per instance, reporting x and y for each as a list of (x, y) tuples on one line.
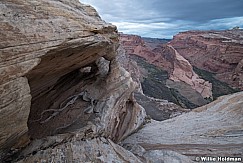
[(163, 18)]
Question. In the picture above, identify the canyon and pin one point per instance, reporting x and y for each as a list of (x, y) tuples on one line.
[(73, 89), (188, 79), (219, 52)]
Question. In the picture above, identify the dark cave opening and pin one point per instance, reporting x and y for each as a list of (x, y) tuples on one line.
[(58, 106), (58, 86)]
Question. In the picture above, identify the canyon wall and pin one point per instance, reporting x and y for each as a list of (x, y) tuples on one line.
[(177, 72), (198, 66), (154, 100), (219, 52), (59, 74)]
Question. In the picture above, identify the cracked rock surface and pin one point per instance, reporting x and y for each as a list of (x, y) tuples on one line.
[(59, 75), (211, 130)]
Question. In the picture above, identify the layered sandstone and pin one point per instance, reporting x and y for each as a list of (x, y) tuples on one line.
[(59, 74), (183, 71), (167, 58), (220, 52), (211, 130), (64, 96), (75, 149), (155, 108)]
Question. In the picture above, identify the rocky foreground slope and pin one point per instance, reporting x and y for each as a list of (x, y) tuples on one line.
[(215, 129)]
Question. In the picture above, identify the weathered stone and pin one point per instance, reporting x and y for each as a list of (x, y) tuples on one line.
[(137, 73), (59, 72), (219, 52), (156, 109), (156, 156), (166, 156), (211, 130), (183, 71), (166, 57), (76, 150), (15, 104)]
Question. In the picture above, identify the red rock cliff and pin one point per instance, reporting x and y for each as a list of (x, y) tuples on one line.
[(167, 58), (220, 52)]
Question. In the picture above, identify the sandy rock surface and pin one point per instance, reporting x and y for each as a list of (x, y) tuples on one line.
[(59, 74), (214, 129)]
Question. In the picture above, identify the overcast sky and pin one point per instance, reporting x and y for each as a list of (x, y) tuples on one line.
[(165, 18)]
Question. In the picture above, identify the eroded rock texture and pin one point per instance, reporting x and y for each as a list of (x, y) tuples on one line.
[(59, 74), (211, 130), (220, 52), (167, 58), (140, 70), (183, 71), (173, 70), (77, 150)]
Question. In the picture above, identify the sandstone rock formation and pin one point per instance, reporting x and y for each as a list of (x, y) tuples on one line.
[(220, 52), (64, 96), (167, 58), (183, 71), (211, 130), (137, 72), (59, 74), (77, 150), (156, 109)]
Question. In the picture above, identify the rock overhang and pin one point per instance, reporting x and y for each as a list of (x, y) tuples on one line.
[(44, 47)]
